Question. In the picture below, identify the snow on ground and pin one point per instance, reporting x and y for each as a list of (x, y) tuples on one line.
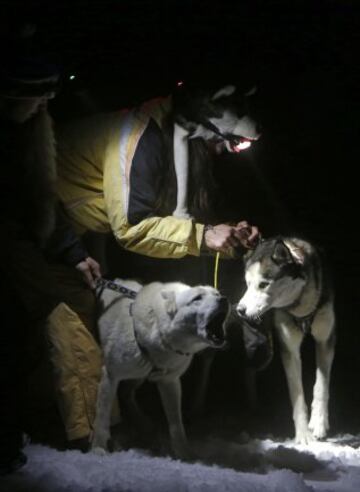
[(253, 466)]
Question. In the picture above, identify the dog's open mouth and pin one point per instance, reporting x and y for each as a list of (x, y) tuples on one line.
[(214, 329)]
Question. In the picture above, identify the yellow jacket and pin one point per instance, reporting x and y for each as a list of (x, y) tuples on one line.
[(103, 190)]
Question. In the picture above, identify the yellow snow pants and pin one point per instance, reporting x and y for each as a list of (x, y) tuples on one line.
[(56, 296)]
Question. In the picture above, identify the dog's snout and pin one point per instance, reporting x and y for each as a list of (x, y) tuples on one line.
[(241, 310)]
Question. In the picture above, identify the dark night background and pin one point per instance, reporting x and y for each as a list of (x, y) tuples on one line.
[(300, 177)]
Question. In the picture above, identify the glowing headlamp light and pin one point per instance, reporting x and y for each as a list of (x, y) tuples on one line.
[(242, 146)]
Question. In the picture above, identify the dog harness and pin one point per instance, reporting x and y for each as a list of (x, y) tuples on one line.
[(304, 323)]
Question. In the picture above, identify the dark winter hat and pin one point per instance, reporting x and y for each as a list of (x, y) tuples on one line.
[(23, 77)]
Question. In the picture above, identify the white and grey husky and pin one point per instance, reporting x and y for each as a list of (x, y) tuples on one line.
[(154, 337), (287, 275)]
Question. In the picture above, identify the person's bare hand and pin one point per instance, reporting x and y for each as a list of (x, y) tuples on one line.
[(248, 235), (90, 270), (221, 238)]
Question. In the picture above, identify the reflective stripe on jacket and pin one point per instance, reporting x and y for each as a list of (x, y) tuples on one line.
[(109, 167)]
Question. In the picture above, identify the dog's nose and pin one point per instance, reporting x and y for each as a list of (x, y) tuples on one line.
[(241, 310)]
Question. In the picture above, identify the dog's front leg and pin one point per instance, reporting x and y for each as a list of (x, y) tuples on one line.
[(105, 397), (170, 392), (323, 332), (291, 339)]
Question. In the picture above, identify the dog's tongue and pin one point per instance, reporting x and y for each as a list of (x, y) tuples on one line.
[(242, 145)]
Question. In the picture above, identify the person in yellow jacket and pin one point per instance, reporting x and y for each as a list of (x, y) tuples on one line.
[(113, 174)]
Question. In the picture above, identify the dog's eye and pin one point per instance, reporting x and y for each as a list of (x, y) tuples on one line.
[(263, 285), (197, 298)]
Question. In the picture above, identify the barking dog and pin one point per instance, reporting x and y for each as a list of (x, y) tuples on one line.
[(155, 337), (286, 274)]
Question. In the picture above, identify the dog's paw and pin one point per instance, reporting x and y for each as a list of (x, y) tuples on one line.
[(319, 426), (99, 451), (100, 441), (304, 436)]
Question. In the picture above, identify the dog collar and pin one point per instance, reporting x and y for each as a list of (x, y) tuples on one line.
[(305, 322)]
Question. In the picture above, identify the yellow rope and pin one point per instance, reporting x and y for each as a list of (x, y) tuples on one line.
[(216, 270)]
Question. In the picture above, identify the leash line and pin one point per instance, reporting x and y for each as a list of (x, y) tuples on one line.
[(109, 284), (216, 270)]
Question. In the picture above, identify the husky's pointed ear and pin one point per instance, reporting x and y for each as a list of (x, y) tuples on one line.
[(169, 302), (224, 92), (297, 252), (251, 92), (281, 253)]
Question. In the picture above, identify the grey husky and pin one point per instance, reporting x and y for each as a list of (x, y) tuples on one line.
[(288, 276), (154, 337)]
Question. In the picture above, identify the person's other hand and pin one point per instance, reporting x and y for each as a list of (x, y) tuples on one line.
[(247, 235), (90, 270)]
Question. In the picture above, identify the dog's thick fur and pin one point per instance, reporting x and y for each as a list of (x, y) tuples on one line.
[(288, 276), (154, 337)]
